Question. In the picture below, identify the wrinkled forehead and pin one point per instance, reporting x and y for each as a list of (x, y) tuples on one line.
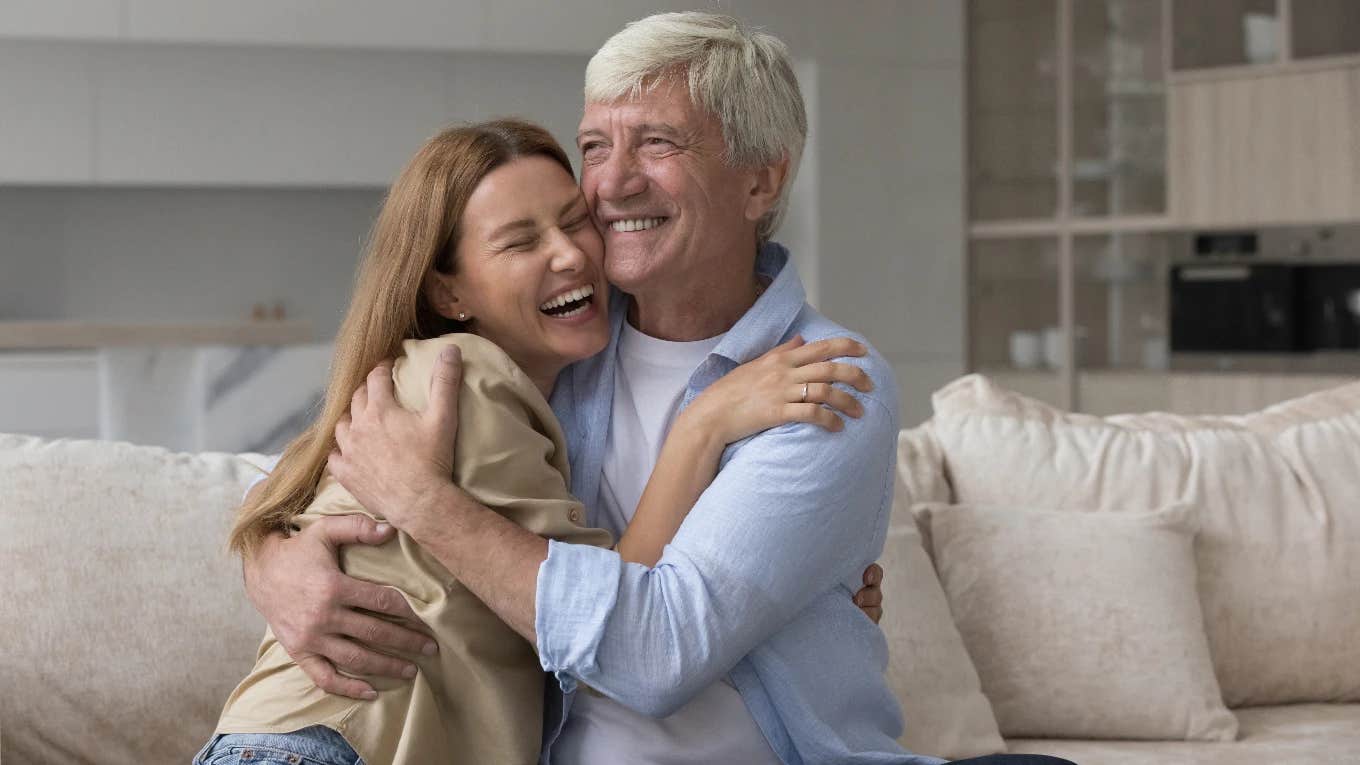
[(666, 105)]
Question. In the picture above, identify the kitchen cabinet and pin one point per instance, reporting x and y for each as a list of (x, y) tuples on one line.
[(1324, 28), (53, 395), (173, 115), (64, 19), (1222, 33), (1274, 147)]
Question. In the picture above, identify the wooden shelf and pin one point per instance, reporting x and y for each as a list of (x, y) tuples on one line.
[(17, 335)]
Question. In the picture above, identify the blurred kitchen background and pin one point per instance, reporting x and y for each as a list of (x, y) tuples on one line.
[(1113, 205)]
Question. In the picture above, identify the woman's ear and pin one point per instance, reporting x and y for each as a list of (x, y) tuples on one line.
[(766, 183), (441, 291)]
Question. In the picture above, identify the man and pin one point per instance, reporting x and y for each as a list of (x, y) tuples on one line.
[(742, 643)]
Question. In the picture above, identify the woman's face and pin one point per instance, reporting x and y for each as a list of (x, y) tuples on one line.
[(529, 268)]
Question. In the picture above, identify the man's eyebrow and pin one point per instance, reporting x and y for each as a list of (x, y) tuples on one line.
[(644, 127), (657, 127)]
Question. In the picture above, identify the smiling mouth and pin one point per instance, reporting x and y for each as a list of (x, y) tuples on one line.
[(569, 304), (636, 224)]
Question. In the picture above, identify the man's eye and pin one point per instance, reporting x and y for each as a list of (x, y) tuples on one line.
[(520, 244), (592, 151), (576, 224), (659, 142)]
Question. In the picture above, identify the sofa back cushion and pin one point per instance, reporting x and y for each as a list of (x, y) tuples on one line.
[(124, 624), (1279, 545)]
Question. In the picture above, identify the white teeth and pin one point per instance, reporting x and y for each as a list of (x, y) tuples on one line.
[(580, 293), (636, 224)]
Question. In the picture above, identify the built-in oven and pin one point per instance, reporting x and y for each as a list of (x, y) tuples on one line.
[(1234, 307)]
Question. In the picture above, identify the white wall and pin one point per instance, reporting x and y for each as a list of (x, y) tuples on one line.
[(891, 166)]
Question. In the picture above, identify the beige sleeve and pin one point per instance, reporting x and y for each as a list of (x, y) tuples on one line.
[(509, 454)]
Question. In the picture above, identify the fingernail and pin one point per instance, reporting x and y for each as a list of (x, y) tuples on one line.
[(369, 694), (450, 353), (409, 671), (430, 649), (383, 528)]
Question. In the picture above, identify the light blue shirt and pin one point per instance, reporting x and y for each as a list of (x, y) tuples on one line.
[(757, 583)]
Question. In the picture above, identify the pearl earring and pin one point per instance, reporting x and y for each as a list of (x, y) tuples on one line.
[(462, 316)]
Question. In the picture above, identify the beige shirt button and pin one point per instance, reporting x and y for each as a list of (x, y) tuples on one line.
[(574, 515)]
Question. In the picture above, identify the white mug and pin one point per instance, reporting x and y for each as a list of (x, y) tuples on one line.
[(1026, 350)]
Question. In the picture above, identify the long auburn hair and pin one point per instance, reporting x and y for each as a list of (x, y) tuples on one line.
[(416, 231)]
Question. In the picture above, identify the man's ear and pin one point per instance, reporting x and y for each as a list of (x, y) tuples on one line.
[(441, 292), (766, 184)]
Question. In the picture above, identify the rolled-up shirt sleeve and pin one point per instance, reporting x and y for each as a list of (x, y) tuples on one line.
[(795, 512)]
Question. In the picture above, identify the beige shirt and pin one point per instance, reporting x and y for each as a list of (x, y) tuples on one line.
[(480, 699)]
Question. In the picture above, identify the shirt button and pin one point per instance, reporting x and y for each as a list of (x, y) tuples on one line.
[(574, 515)]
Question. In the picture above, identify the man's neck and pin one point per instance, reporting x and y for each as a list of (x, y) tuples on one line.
[(707, 308)]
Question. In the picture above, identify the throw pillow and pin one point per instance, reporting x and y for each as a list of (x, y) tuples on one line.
[(1082, 625)]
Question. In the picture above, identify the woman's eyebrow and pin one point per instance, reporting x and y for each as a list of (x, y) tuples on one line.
[(571, 205), (506, 228)]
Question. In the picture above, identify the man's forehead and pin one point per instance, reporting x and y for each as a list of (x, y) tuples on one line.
[(659, 111)]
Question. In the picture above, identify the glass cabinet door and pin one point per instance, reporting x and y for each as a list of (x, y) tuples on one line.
[(1014, 332), (1119, 108), (1122, 306), (1325, 28), (1012, 109), (1212, 33)]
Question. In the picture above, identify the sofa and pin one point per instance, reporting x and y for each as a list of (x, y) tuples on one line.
[(1134, 589)]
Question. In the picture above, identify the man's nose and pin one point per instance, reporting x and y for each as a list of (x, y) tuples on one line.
[(619, 176)]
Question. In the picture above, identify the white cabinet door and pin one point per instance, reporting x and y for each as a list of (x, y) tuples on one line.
[(53, 395), (242, 116), (46, 113), (423, 24), (65, 19)]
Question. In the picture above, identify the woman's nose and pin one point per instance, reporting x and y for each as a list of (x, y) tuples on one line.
[(566, 255), (619, 177)]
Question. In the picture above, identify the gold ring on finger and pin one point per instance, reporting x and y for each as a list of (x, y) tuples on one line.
[(803, 399)]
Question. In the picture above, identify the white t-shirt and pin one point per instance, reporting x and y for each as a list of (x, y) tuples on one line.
[(715, 726)]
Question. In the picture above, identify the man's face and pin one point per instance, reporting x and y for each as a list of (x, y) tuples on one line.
[(668, 206)]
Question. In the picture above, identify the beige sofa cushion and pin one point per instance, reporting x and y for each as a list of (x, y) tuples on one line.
[(1298, 734), (1279, 548), (929, 669), (124, 625), (1082, 625)]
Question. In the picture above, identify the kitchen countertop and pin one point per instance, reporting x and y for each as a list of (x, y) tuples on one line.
[(32, 335)]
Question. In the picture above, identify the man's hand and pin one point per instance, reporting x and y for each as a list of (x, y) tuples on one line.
[(870, 597), (393, 460), (297, 585)]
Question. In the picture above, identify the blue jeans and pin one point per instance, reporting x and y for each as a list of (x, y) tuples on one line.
[(317, 745)]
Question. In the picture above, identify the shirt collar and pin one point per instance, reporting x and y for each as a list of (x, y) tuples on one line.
[(765, 324)]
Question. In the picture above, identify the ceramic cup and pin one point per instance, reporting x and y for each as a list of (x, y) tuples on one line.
[(1026, 350)]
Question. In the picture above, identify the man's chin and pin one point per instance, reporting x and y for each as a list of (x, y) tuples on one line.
[(628, 271)]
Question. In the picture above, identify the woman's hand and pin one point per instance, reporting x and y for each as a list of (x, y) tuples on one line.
[(394, 461), (789, 383)]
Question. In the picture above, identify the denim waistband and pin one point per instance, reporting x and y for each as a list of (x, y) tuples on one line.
[(316, 742)]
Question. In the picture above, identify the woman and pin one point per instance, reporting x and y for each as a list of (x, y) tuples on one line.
[(484, 243)]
